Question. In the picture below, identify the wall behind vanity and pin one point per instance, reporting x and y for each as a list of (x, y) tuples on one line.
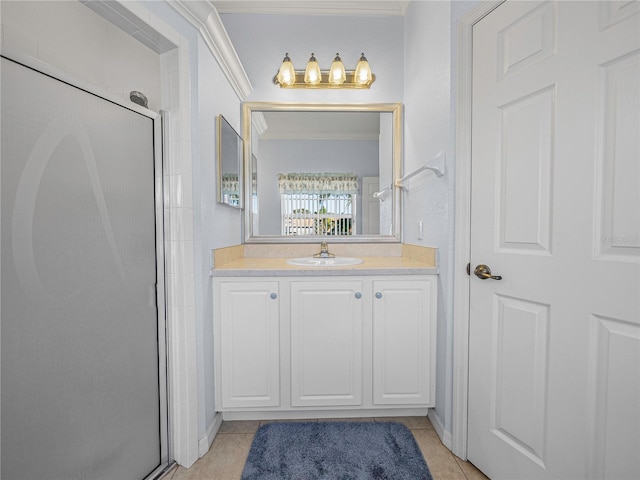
[(423, 42), (413, 58), (261, 53), (427, 90)]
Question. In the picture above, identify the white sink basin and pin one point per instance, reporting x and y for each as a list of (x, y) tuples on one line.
[(324, 262)]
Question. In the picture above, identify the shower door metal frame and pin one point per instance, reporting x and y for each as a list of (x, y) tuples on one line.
[(159, 147)]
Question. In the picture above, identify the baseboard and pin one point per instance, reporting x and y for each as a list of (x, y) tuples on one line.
[(205, 442), (307, 414), (445, 437)]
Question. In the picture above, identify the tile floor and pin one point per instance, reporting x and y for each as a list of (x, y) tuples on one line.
[(226, 457)]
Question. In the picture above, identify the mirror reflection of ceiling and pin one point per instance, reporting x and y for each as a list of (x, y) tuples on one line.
[(314, 7), (321, 126)]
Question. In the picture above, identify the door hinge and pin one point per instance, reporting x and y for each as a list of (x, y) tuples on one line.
[(468, 269)]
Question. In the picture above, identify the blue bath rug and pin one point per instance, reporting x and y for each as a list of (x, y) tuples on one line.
[(335, 451)]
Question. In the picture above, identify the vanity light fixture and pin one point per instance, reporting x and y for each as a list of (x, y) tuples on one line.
[(312, 74), (286, 74), (335, 77), (337, 73), (363, 74)]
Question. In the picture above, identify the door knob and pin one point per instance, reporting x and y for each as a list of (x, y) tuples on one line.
[(483, 272)]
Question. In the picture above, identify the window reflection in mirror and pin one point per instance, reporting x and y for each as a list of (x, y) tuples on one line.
[(317, 168), (229, 164)]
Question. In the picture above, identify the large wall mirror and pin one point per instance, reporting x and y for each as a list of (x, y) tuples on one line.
[(322, 172), (229, 164)]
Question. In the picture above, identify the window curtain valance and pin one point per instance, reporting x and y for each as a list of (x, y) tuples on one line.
[(230, 183), (318, 183)]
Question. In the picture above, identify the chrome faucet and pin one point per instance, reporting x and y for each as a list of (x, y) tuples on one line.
[(324, 251)]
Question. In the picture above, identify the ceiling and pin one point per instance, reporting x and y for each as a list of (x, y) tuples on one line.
[(314, 7), (321, 125)]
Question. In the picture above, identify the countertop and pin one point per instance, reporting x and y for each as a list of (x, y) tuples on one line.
[(271, 260)]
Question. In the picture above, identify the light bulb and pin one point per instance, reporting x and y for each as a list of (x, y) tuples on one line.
[(337, 74), (286, 74), (312, 74), (362, 74)]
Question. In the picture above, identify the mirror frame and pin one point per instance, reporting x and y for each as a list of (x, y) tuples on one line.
[(220, 122), (396, 109)]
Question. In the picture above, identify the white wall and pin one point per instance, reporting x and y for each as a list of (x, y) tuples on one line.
[(214, 225), (430, 123), (218, 225), (413, 62), (386, 175), (79, 42), (412, 58), (262, 40), (427, 115)]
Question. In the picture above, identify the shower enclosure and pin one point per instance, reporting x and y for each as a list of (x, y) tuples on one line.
[(83, 360)]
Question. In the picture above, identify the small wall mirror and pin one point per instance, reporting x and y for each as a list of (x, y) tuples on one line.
[(229, 164), (322, 171)]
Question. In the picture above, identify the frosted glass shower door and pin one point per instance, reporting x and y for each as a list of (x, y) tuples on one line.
[(82, 389)]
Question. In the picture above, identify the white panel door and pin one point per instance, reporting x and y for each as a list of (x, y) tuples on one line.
[(248, 332), (326, 342), (370, 206), (554, 359), (404, 345)]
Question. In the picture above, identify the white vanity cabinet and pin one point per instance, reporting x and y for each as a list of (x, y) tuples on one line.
[(248, 327), (404, 313), (324, 344)]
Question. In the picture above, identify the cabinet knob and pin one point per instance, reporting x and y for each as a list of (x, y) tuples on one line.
[(378, 295), (358, 295), (274, 296)]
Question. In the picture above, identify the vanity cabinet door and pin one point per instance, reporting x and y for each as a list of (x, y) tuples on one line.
[(326, 342), (249, 334), (404, 327)]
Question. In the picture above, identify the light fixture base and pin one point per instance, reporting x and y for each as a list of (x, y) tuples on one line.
[(324, 82)]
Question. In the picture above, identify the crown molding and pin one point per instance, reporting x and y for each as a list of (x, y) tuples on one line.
[(259, 123), (318, 136), (204, 17), (335, 7)]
